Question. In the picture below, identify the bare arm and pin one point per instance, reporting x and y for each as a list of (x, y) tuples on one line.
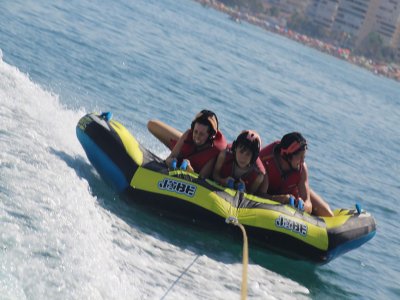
[(256, 184), (304, 189), (263, 192), (177, 149), (207, 169), (217, 169)]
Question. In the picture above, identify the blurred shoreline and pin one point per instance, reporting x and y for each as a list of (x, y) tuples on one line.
[(389, 70)]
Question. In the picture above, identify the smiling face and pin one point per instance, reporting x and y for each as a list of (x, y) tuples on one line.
[(243, 156), (200, 134)]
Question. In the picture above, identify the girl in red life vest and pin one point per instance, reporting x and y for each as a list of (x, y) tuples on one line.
[(197, 149), (287, 174), (238, 166)]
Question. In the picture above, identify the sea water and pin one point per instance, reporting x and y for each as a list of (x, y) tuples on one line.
[(66, 235)]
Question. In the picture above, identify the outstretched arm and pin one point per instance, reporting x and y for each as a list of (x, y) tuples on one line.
[(304, 189), (257, 184), (217, 169), (207, 169), (177, 149), (263, 192)]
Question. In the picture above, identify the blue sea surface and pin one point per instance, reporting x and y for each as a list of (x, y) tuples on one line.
[(65, 234)]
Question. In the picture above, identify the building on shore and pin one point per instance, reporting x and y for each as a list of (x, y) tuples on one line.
[(323, 13), (388, 22), (352, 21), (289, 7)]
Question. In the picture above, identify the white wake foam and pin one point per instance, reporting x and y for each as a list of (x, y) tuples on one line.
[(58, 242)]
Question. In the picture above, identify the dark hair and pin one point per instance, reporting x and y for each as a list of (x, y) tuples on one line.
[(250, 140), (292, 143), (207, 118)]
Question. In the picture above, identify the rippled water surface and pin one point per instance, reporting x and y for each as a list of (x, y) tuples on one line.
[(66, 235)]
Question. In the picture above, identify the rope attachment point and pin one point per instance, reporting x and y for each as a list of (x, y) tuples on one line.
[(232, 220)]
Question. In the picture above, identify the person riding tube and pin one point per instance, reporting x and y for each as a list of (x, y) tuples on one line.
[(238, 166), (286, 178), (197, 149)]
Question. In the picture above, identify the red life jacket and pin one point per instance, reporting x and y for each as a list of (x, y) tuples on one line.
[(249, 177), (279, 182), (199, 157)]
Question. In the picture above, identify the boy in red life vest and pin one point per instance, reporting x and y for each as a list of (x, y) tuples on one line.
[(286, 176), (195, 150), (238, 166)]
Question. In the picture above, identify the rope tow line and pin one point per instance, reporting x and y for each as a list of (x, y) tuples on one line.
[(179, 277), (234, 221), (245, 261)]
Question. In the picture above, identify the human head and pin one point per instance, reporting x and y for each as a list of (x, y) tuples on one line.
[(207, 118), (291, 144), (248, 139), (292, 149)]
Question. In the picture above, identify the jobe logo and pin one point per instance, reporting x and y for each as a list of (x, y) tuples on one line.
[(177, 187), (291, 225)]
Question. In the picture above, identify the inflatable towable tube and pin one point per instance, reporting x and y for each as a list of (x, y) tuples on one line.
[(131, 169)]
